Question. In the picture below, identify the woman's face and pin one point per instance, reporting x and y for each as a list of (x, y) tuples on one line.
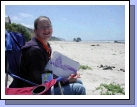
[(44, 29)]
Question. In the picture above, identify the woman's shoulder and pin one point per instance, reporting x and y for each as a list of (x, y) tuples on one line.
[(33, 43)]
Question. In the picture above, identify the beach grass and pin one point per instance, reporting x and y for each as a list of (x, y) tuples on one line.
[(110, 89), (84, 67)]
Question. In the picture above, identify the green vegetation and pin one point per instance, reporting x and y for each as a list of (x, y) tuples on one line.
[(54, 39), (27, 32), (18, 28), (85, 67), (111, 89)]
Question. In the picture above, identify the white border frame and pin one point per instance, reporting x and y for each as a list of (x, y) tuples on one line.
[(126, 96)]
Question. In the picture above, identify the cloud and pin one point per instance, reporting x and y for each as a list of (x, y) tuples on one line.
[(26, 15), (27, 25), (15, 18), (18, 19)]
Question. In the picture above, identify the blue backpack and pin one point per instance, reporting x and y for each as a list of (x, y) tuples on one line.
[(13, 43)]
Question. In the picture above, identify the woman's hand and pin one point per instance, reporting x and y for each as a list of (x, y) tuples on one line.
[(73, 77)]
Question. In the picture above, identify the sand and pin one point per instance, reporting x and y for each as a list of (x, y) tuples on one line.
[(94, 54)]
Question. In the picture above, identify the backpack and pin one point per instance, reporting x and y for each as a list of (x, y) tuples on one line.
[(13, 43)]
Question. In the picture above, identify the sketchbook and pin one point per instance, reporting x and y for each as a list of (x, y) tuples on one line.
[(62, 65)]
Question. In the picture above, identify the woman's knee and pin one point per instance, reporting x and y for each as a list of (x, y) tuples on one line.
[(79, 89), (79, 81)]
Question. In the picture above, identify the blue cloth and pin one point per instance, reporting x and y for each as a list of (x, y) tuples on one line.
[(13, 42)]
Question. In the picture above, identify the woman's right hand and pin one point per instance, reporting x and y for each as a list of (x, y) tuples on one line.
[(73, 78)]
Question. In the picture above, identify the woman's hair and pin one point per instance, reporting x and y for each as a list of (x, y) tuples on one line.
[(40, 17)]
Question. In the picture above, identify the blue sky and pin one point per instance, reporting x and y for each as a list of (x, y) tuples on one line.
[(89, 22)]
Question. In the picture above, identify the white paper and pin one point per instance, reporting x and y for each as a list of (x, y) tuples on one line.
[(61, 65)]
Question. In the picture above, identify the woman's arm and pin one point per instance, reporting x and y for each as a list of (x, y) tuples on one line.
[(37, 61)]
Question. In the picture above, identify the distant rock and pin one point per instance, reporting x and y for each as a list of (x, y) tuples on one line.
[(77, 40), (118, 42), (53, 38)]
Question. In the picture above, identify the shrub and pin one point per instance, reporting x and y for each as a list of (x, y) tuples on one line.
[(20, 29)]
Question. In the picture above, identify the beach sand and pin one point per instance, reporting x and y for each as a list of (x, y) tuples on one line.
[(94, 55)]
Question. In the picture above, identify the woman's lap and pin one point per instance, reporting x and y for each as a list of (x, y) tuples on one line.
[(76, 88)]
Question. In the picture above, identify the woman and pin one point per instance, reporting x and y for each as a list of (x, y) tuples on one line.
[(36, 54)]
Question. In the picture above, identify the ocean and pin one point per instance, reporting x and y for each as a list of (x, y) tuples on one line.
[(105, 41)]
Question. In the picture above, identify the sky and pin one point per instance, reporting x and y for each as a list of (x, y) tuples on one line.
[(89, 22)]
